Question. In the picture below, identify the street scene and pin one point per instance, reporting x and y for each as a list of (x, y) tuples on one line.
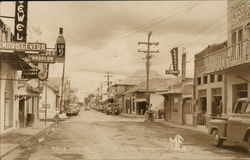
[(88, 80)]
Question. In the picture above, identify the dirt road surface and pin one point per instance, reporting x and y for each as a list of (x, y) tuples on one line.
[(95, 135)]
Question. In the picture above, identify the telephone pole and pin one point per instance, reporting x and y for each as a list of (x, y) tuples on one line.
[(108, 81), (148, 57)]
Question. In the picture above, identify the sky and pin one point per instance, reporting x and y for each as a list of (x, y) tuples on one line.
[(102, 36)]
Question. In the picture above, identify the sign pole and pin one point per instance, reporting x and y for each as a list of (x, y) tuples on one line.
[(46, 94)]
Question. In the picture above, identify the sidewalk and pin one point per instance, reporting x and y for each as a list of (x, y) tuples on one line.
[(13, 140), (200, 129)]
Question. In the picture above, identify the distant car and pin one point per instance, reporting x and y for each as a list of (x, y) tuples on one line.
[(52, 114), (87, 109), (71, 110)]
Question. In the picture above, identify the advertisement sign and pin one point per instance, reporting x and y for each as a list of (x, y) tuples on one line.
[(23, 46), (44, 73), (60, 52), (46, 57), (30, 73), (21, 14), (174, 53), (172, 72)]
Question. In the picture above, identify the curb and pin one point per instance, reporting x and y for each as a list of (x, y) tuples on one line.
[(184, 127), (30, 139), (132, 116)]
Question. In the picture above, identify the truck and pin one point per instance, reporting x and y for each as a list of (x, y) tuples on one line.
[(235, 127)]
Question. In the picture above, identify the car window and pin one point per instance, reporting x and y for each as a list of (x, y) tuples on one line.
[(248, 108), (240, 107)]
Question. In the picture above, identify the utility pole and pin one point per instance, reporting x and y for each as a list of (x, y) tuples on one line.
[(148, 57), (108, 81), (101, 92)]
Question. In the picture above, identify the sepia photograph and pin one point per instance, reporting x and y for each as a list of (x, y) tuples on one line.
[(125, 80)]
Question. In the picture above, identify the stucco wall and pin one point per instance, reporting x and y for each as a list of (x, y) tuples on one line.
[(7, 69)]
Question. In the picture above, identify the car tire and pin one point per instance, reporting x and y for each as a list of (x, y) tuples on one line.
[(217, 141)]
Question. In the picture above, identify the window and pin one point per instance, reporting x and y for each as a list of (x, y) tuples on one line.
[(199, 80), (240, 35), (234, 37), (212, 78), (220, 78), (205, 79)]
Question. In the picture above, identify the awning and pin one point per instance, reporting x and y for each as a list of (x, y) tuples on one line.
[(173, 91), (140, 100)]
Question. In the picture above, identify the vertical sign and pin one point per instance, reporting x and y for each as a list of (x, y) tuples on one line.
[(174, 53), (21, 14)]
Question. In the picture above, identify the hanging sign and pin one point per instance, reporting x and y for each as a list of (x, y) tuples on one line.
[(46, 57), (21, 14), (30, 73), (172, 72), (44, 73), (174, 53), (175, 70)]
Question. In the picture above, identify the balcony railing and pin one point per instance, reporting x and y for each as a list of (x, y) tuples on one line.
[(222, 59)]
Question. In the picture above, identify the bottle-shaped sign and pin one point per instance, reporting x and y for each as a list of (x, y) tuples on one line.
[(60, 46)]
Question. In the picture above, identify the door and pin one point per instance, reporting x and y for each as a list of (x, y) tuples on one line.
[(21, 113), (168, 109)]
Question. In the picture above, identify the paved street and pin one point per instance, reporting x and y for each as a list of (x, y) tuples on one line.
[(94, 135)]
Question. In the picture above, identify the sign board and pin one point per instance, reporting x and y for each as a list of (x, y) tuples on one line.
[(30, 73), (45, 57), (23, 46), (174, 72), (21, 14)]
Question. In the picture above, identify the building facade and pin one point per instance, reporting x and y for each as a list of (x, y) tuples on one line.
[(228, 63)]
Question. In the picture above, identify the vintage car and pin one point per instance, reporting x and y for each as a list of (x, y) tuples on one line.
[(113, 108), (235, 127), (71, 110)]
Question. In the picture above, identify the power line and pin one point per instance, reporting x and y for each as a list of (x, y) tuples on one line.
[(141, 28)]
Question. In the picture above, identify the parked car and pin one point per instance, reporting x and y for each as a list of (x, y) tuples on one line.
[(71, 110), (235, 127), (52, 114)]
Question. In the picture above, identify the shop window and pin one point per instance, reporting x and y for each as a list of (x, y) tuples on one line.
[(205, 79), (212, 78), (220, 78), (199, 80)]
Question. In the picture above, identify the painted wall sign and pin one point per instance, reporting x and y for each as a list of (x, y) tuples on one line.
[(21, 14), (22, 47)]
